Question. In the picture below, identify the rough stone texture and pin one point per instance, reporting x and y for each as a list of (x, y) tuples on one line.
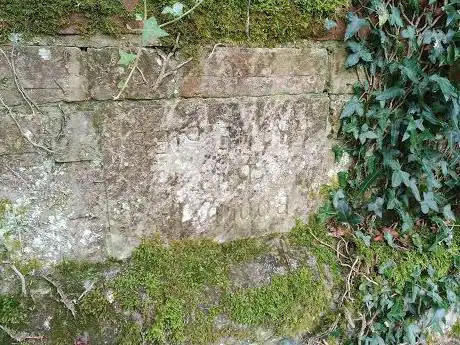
[(232, 72), (47, 74), (217, 168), (235, 145), (107, 76), (337, 104), (342, 80), (60, 208)]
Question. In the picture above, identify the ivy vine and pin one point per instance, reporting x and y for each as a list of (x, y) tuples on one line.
[(402, 130)]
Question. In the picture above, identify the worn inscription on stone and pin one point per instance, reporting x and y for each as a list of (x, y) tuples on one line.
[(216, 168)]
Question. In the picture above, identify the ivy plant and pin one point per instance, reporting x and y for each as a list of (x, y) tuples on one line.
[(401, 129), (402, 126)]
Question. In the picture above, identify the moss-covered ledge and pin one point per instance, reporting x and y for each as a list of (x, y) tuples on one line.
[(271, 21), (185, 292)]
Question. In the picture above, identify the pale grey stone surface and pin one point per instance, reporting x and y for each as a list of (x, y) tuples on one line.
[(217, 168), (232, 146), (232, 72), (59, 209), (47, 74)]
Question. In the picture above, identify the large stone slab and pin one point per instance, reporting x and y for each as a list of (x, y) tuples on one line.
[(47, 74), (233, 72), (217, 168)]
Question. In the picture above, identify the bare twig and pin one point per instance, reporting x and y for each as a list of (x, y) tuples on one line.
[(64, 299), (142, 74), (325, 244), (401, 7), (248, 19), (20, 276), (16, 174), (349, 278), (32, 105), (21, 130), (183, 15), (87, 290), (20, 337), (125, 84), (214, 48)]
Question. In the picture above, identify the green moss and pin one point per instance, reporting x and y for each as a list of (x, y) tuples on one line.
[(45, 17), (455, 331), (4, 205), (13, 314), (176, 292), (320, 6), (407, 262), (271, 21), (289, 304), (307, 235), (11, 311), (174, 280)]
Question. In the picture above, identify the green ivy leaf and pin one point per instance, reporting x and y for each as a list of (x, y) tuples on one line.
[(354, 106), (397, 312), (411, 69), (340, 203), (412, 332), (428, 203), (352, 60), (366, 133), (329, 24), (389, 238), (387, 265), (152, 31), (395, 17), (126, 58), (390, 93), (409, 33), (376, 206), (382, 14), (399, 177), (359, 52), (408, 223), (176, 10), (354, 25), (447, 89), (365, 238), (413, 187), (447, 212)]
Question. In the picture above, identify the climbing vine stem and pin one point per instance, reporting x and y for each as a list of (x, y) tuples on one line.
[(151, 32)]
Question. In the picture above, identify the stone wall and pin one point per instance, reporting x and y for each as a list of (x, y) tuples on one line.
[(235, 144)]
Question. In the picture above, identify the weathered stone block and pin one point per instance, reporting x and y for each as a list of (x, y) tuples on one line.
[(233, 72), (217, 168), (337, 104), (107, 76), (47, 74), (58, 209), (341, 80), (42, 127), (77, 140)]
